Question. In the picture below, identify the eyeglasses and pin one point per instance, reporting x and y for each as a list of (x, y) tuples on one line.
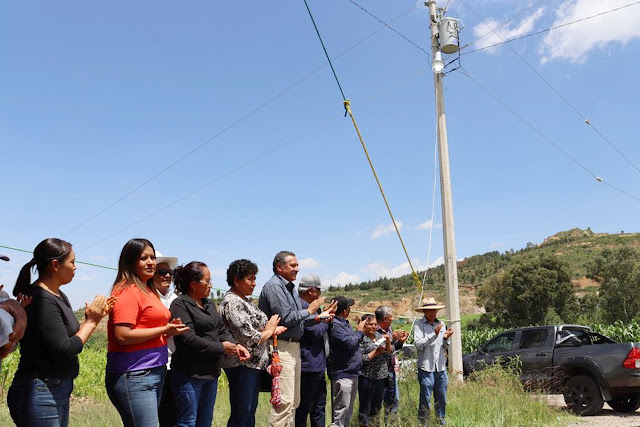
[(206, 282), (164, 272)]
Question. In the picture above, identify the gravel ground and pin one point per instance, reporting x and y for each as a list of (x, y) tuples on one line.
[(608, 417)]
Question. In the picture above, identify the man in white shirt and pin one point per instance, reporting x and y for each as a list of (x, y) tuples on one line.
[(431, 338), (162, 279)]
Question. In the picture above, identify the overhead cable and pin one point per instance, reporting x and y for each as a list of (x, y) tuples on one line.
[(231, 126), (347, 107), (522, 12), (543, 136), (262, 155), (546, 30), (585, 119), (599, 179), (390, 27)]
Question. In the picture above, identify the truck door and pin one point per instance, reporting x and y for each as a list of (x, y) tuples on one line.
[(499, 347), (535, 351)]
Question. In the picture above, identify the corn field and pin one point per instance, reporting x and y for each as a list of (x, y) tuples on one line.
[(618, 331)]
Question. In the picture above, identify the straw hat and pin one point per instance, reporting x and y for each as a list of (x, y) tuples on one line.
[(171, 260), (429, 304)]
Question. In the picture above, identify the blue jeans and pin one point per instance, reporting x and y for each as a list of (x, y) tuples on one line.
[(370, 393), (436, 383), (313, 399), (40, 402), (195, 399), (136, 395), (243, 396)]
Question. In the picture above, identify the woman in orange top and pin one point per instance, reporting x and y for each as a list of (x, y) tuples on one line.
[(138, 327)]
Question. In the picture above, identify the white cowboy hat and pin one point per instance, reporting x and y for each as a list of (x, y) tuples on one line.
[(430, 304), (171, 260)]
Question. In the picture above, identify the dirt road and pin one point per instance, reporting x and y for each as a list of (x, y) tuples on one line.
[(607, 418)]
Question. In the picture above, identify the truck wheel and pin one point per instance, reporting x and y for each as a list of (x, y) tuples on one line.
[(626, 403), (582, 395)]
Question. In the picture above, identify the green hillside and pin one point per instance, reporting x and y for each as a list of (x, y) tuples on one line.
[(577, 247)]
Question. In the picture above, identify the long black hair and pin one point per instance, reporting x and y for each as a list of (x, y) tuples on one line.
[(127, 264), (48, 250)]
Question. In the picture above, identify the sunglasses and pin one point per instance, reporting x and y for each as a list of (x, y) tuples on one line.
[(164, 272)]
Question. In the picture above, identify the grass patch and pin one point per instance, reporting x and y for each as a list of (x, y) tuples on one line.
[(493, 397), (466, 319)]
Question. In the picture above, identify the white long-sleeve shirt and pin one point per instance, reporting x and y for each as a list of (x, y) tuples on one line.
[(431, 347), (166, 301)]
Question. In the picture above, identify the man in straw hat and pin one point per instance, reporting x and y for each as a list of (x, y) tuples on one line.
[(431, 340)]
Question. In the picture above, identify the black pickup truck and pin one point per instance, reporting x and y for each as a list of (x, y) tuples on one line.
[(588, 368)]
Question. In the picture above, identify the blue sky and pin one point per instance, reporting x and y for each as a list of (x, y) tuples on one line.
[(99, 98)]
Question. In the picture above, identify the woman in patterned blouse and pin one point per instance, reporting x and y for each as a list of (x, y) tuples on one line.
[(250, 328), (376, 351)]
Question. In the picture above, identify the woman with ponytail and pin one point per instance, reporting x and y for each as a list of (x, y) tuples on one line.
[(137, 332), (39, 394)]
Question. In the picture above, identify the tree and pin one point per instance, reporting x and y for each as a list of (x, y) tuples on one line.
[(529, 292), (618, 273)]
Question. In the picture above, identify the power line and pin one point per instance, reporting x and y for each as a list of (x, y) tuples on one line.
[(564, 152), (587, 121), (543, 136), (78, 262), (93, 265), (390, 27), (202, 187), (264, 154), (325, 50), (546, 30), (231, 126), (522, 12)]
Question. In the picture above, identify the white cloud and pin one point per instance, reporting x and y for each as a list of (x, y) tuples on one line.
[(308, 263), (496, 245), (505, 32), (385, 230), (428, 225), (381, 269), (342, 279), (574, 42)]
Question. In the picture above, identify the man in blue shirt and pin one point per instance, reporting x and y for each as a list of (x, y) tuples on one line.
[(346, 361), (314, 347), (279, 297)]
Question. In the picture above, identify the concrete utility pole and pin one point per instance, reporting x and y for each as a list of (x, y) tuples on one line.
[(450, 260)]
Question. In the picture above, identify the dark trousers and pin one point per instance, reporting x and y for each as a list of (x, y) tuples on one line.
[(391, 397), (313, 399), (243, 396), (167, 408), (370, 392)]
